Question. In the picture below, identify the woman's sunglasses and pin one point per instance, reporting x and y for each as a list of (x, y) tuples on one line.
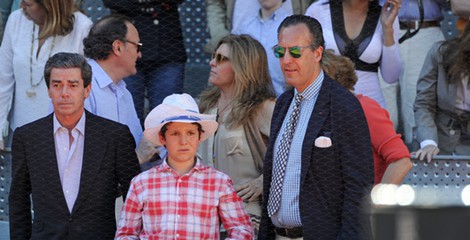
[(219, 58), (294, 51)]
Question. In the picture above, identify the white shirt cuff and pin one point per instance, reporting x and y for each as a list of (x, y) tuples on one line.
[(427, 142)]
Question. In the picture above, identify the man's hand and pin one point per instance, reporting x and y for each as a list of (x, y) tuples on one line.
[(427, 152), (251, 191)]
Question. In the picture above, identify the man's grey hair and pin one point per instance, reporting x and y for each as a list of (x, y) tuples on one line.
[(68, 60)]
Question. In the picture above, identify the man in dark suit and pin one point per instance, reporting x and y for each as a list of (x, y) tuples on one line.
[(70, 163), (318, 166)]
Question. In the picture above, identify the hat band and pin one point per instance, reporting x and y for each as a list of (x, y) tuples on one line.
[(187, 118)]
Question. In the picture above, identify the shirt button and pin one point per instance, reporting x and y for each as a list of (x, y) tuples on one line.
[(70, 219), (67, 191), (156, 22), (452, 132)]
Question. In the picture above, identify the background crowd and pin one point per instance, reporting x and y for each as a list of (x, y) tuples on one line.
[(410, 82)]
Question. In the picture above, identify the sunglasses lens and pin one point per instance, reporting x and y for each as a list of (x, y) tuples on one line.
[(219, 58), (295, 52), (279, 52)]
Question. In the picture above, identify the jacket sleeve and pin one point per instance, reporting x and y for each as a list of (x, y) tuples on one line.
[(127, 164), (426, 94), (19, 198), (357, 166)]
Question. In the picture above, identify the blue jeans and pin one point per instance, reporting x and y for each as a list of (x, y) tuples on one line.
[(159, 82)]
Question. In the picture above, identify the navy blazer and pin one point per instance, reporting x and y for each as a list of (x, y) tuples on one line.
[(335, 180), (109, 160)]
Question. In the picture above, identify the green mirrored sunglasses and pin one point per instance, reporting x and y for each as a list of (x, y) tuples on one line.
[(294, 51)]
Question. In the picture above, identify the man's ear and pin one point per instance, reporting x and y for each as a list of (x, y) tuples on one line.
[(318, 54), (117, 47), (87, 90), (162, 139)]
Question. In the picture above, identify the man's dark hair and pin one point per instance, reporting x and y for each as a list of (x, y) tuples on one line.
[(312, 24), (68, 60), (99, 42)]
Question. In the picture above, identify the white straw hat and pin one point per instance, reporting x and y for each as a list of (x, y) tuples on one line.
[(177, 108)]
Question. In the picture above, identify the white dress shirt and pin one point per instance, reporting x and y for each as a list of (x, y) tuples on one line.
[(69, 154)]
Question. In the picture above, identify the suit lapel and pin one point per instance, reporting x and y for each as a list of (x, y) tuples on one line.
[(281, 114), (93, 153), (316, 122), (48, 159)]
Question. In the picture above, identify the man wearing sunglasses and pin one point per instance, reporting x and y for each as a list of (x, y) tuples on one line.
[(113, 49), (318, 168)]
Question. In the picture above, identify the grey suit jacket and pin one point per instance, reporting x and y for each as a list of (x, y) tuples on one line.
[(435, 113), (109, 160)]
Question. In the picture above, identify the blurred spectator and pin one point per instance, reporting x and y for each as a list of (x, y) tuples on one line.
[(414, 49), (6, 7), (442, 106), (242, 97), (391, 156), (182, 198), (161, 68), (67, 166), (366, 33), (263, 27), (33, 34), (225, 15)]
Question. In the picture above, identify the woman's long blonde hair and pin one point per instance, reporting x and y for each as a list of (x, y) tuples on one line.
[(252, 82), (59, 17)]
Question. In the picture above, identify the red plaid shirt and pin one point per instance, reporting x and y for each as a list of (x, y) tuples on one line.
[(161, 204)]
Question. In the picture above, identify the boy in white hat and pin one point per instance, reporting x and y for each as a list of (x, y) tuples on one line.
[(181, 198)]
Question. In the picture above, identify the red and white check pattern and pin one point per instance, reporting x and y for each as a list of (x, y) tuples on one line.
[(162, 205)]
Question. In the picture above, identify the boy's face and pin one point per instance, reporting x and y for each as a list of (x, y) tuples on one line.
[(181, 141)]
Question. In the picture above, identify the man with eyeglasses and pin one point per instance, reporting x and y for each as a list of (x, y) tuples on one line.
[(318, 168), (113, 49)]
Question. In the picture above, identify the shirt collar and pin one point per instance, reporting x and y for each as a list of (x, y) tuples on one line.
[(314, 88), (102, 78), (197, 167), (80, 125)]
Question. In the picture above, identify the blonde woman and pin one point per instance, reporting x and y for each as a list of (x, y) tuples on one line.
[(33, 34), (243, 99)]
